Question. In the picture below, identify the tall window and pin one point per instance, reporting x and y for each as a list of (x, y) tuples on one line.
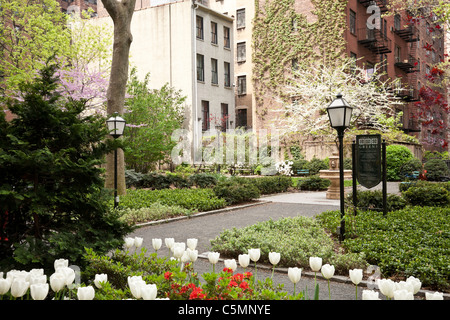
[(200, 67), (397, 54), (397, 22), (241, 52), (227, 74), (214, 75), (205, 115), (242, 118), (240, 18), (242, 85), (199, 27), (224, 114), (213, 32), (226, 37), (352, 22)]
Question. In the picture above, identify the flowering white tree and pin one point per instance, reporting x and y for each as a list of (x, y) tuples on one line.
[(314, 87)]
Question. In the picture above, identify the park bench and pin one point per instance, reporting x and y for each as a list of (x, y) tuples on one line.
[(303, 172)]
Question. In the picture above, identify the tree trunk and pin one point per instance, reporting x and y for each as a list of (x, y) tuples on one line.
[(121, 12)]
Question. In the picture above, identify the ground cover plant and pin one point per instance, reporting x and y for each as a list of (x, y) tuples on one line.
[(296, 239), (413, 241)]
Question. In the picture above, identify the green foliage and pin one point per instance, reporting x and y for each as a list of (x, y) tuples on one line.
[(427, 195), (396, 157), (236, 190), (153, 116), (203, 180), (409, 242), (409, 167), (373, 200), (296, 239), (51, 180), (313, 183), (436, 169), (191, 199), (315, 165), (153, 212), (269, 185)]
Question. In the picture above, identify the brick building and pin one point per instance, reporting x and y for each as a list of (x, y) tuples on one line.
[(70, 6)]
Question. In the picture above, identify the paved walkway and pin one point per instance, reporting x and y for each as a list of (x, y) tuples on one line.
[(207, 226)]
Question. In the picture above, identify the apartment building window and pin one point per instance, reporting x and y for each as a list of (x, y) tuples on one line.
[(241, 85), (397, 54), (205, 115), (294, 63), (214, 75), (397, 22), (353, 58), (370, 69), (213, 32), (224, 114), (240, 18), (227, 75), (200, 67), (226, 37), (242, 118), (352, 22), (241, 52), (199, 27)]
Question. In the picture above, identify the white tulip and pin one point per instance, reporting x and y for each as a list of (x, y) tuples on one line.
[(86, 293), (294, 274), (386, 287), (149, 291), (416, 283), (356, 275), (178, 249), (68, 273), (156, 243), (403, 285), (57, 281), (193, 254), (132, 279), (327, 271), (230, 264), (36, 272), (254, 254), (39, 291), (213, 257), (434, 296), (274, 258), (138, 241), (36, 279), (136, 283), (370, 295), (61, 263), (18, 274), (244, 260), (5, 284), (19, 287), (129, 242), (99, 278), (315, 263), (169, 242), (192, 243), (403, 294)]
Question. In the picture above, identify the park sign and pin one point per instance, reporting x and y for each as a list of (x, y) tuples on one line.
[(368, 160)]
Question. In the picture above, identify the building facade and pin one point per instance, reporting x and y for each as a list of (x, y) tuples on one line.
[(187, 45), (77, 6)]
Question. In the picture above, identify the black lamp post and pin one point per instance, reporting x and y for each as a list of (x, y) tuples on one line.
[(116, 126), (340, 113)]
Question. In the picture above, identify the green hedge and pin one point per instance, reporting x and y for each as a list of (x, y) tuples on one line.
[(236, 190), (313, 183), (414, 241), (192, 199)]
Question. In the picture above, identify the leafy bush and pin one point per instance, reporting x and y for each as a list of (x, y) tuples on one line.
[(313, 183), (191, 199), (268, 185), (409, 167), (299, 165), (236, 190), (203, 180), (373, 200), (396, 157), (315, 165), (436, 169), (410, 242), (427, 195), (296, 239)]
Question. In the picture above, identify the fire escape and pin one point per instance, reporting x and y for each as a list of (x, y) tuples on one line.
[(406, 61)]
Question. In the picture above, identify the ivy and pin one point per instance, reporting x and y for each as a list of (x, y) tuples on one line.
[(281, 35)]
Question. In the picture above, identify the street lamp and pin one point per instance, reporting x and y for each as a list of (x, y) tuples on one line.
[(116, 126), (340, 113)]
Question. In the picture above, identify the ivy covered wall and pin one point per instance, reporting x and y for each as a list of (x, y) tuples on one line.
[(285, 37)]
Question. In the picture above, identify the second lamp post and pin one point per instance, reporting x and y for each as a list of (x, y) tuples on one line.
[(340, 113)]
